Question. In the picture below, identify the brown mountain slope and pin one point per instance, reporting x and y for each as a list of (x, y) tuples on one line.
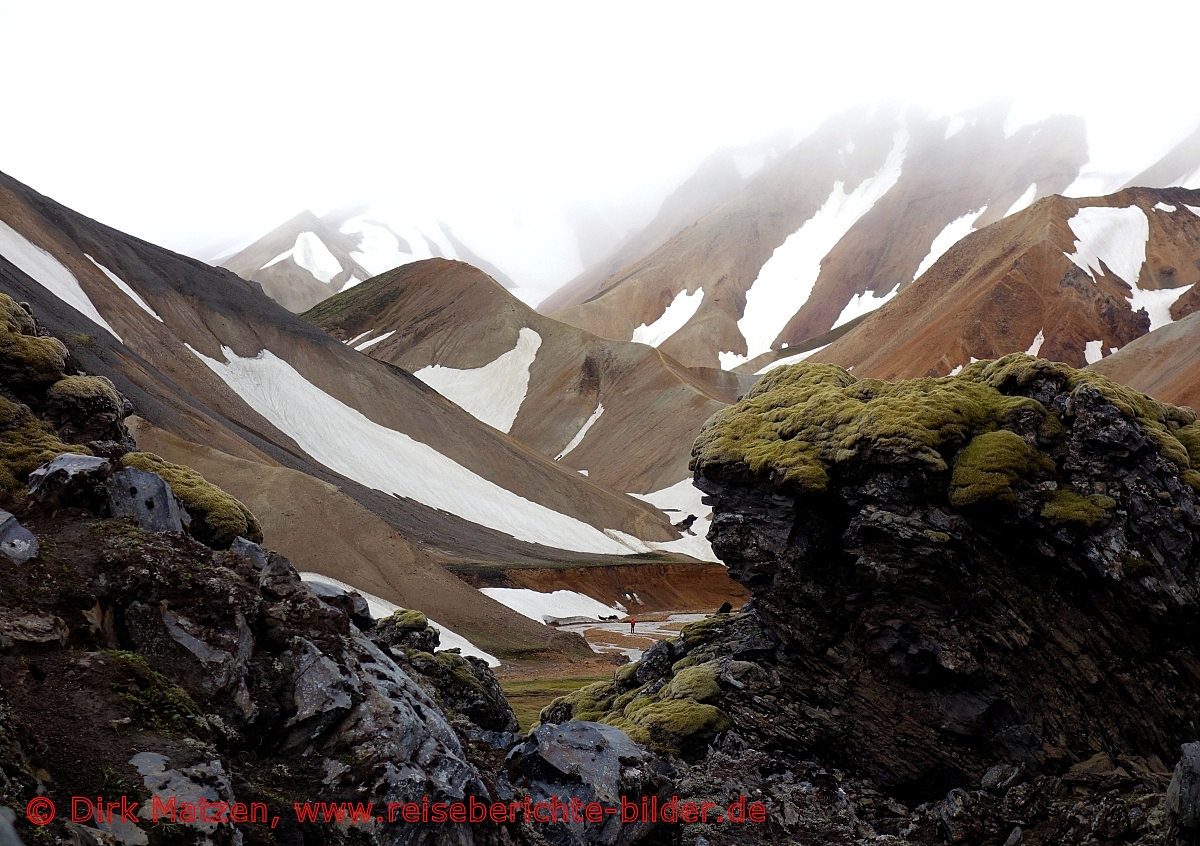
[(715, 181), (1011, 287), (206, 357), (1164, 363), (287, 282), (1180, 167), (873, 189), (449, 314)]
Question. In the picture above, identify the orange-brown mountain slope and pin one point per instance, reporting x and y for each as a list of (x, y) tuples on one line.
[(1067, 279), (539, 380), (840, 222)]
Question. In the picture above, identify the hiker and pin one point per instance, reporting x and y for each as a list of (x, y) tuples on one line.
[(632, 626)]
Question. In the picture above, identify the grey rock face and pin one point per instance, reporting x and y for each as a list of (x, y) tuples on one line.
[(590, 762), (1183, 796), (17, 543), (71, 479), (147, 498)]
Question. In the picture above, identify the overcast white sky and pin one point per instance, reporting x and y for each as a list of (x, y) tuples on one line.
[(197, 125)]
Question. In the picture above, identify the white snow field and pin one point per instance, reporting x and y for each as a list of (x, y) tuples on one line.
[(50, 273), (1093, 351), (791, 359), (677, 501), (126, 289), (493, 393), (351, 282), (380, 251), (1116, 236), (1193, 209), (367, 344), (1024, 201), (786, 279), (953, 232), (381, 608), (679, 312), (583, 430), (1164, 207), (1038, 340), (542, 606), (310, 252), (346, 441), (861, 304)]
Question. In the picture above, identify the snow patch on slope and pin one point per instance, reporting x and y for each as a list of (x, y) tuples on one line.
[(861, 304), (1116, 236), (543, 606), (791, 359), (50, 273), (583, 430), (310, 252), (381, 608), (677, 501), (953, 232), (126, 289), (1157, 303), (679, 312), (1024, 201), (1193, 209), (346, 441), (1036, 346), (1093, 351), (366, 344), (493, 393), (1164, 207), (379, 250), (786, 279)]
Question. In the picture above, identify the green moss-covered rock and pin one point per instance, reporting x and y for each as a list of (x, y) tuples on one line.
[(84, 408), (26, 359), (1067, 507), (626, 674), (802, 423), (673, 725), (990, 464), (591, 702), (217, 518), (25, 444), (698, 683)]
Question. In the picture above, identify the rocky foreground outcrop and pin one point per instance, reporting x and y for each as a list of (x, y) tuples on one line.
[(974, 613)]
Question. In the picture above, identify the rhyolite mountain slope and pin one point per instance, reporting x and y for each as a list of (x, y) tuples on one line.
[(842, 221), (309, 258), (537, 379), (209, 359), (1164, 363), (1066, 279), (716, 179)]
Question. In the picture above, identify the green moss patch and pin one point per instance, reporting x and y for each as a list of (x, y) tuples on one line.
[(698, 683), (217, 518), (24, 357), (1067, 507), (26, 443), (990, 464)]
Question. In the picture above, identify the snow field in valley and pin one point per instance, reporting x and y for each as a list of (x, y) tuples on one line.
[(786, 279), (679, 312), (381, 608), (1117, 237), (492, 394), (542, 606), (126, 289), (677, 501), (346, 441), (310, 252), (50, 273)]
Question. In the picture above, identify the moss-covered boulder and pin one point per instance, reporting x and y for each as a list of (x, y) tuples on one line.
[(217, 518), (25, 444), (85, 408), (26, 359), (407, 628)]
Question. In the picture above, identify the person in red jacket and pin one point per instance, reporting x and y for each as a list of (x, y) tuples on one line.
[(632, 626)]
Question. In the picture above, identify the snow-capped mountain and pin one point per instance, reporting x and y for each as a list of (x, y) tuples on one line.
[(832, 229), (1072, 280), (281, 414), (623, 413), (309, 258)]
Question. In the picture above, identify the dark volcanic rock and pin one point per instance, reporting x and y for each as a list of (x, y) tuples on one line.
[(994, 568)]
